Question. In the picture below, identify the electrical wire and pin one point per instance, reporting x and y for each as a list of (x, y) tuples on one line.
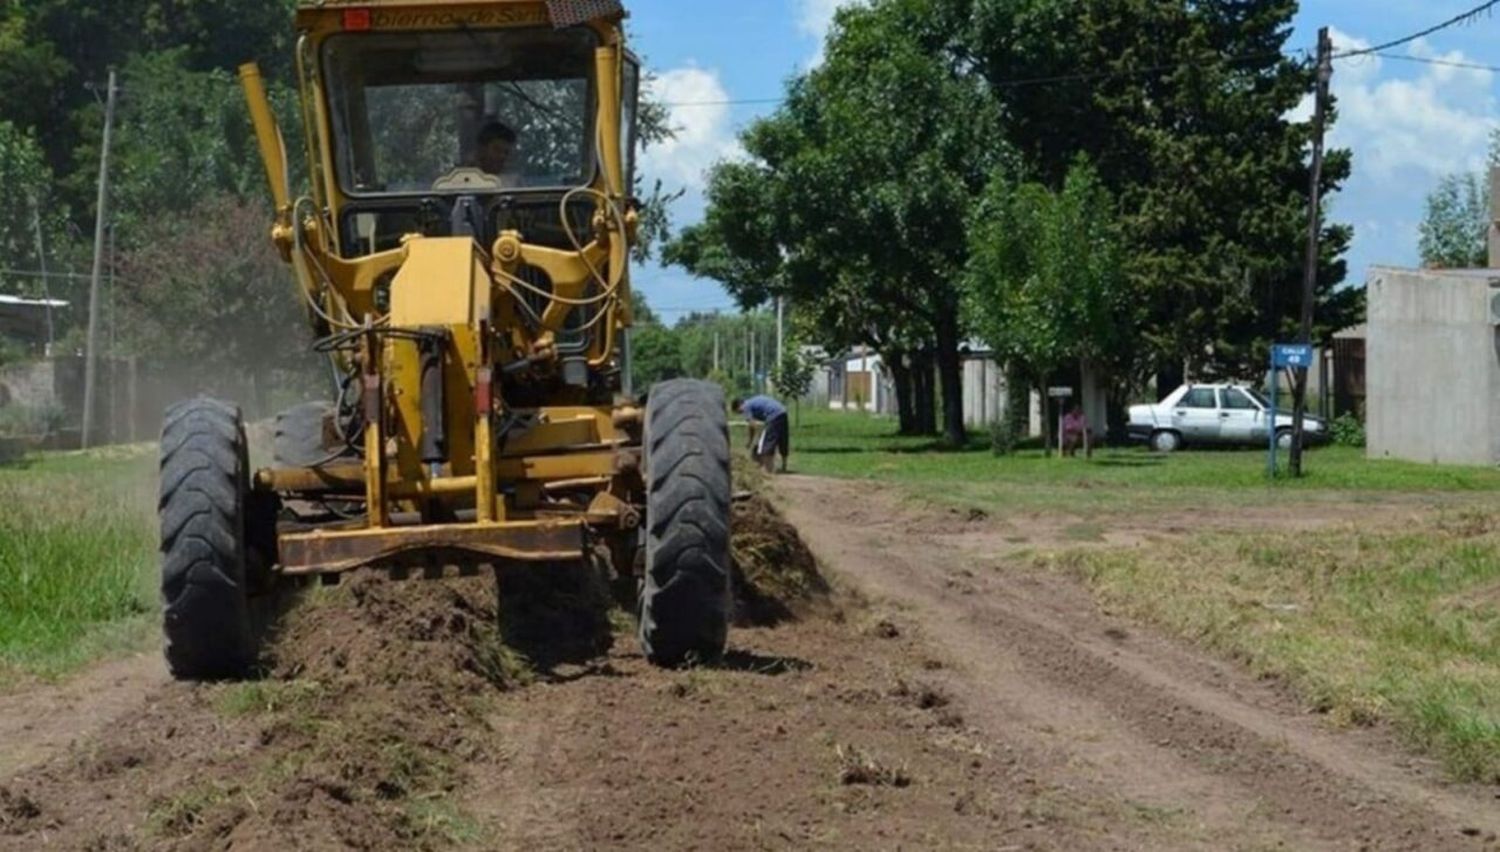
[(1084, 76), (1461, 18), (1445, 63)]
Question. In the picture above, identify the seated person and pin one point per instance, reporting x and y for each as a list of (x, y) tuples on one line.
[(1076, 432), (496, 144)]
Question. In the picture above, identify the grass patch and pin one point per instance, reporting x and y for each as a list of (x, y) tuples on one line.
[(262, 697), (855, 446), (77, 559), (1391, 626)]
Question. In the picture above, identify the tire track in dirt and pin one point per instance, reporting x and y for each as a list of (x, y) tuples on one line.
[(1131, 719), (40, 722)]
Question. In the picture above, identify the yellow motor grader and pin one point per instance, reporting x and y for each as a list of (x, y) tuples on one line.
[(462, 249)]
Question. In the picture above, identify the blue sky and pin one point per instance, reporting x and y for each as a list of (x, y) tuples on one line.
[(1407, 123)]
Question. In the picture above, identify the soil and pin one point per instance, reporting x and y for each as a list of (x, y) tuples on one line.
[(899, 697)]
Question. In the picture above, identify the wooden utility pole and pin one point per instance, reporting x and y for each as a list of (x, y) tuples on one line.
[(91, 354), (41, 261), (1314, 228)]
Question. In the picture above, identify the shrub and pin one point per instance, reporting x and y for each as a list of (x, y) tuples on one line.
[(1347, 430), (1002, 437)]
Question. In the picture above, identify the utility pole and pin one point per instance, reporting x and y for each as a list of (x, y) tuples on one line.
[(41, 260), (91, 355), (780, 331), (1314, 226)]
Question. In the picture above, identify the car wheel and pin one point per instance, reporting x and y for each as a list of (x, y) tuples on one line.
[(1283, 439), (1166, 442)]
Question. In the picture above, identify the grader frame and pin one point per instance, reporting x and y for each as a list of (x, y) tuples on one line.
[(484, 412)]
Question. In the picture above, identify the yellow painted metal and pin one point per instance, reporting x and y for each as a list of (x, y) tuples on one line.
[(471, 293), (443, 282), (267, 134)]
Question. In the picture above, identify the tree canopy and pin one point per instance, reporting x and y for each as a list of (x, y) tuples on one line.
[(869, 195)]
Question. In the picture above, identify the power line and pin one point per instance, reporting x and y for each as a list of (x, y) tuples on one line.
[(1446, 63), (1084, 76), (1461, 18)]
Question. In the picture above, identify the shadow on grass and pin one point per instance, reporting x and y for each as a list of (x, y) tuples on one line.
[(1129, 461)]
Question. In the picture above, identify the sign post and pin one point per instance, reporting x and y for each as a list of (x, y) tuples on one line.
[(1296, 356), (1061, 394)]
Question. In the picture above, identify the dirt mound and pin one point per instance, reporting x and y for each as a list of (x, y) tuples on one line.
[(776, 577)]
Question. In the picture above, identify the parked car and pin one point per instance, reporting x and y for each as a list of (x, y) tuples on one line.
[(1216, 414)]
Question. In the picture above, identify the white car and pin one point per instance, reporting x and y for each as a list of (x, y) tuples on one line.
[(1216, 414)]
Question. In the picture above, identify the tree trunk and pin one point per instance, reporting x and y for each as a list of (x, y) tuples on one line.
[(1046, 417), (901, 377), (1169, 377), (951, 380), (1017, 402), (924, 394)]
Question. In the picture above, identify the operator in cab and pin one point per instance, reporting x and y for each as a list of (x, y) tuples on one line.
[(497, 141), (773, 436)]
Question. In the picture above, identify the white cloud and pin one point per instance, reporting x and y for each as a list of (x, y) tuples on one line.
[(815, 19), (1435, 122), (698, 113)]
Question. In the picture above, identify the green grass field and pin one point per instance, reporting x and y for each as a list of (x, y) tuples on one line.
[(1394, 617), (77, 560), (1127, 479)]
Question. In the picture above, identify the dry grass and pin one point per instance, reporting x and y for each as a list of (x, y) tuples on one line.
[(1398, 626)]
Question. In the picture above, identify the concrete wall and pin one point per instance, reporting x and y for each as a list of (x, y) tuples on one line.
[(1433, 372)]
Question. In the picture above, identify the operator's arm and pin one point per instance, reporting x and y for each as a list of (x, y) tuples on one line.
[(753, 427)]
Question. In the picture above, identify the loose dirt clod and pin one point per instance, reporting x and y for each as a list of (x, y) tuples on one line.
[(859, 767), (776, 576), (16, 811)]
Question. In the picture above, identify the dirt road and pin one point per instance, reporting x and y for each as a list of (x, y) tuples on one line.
[(1128, 722), (929, 701)]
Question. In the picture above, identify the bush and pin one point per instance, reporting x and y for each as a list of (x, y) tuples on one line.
[(1347, 430), (1003, 437), (19, 420)]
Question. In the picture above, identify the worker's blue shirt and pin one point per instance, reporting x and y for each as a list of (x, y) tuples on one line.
[(763, 408)]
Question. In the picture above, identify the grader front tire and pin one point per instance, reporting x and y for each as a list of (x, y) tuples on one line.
[(204, 509), (686, 596)]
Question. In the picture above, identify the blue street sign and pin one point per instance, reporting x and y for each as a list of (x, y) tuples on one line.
[(1296, 355)]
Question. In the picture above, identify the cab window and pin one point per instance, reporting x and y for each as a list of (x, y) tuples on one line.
[(462, 112)]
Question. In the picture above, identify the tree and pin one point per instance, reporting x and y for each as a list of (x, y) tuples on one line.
[(1183, 109), (854, 200), (792, 376), (1455, 228), (27, 182), (1045, 286), (219, 306)]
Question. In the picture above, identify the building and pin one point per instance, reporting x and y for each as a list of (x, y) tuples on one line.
[(27, 320), (1432, 378)]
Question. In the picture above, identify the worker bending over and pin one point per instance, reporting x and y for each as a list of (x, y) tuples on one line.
[(774, 433)]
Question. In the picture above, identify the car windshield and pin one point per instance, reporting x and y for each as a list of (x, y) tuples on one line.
[(462, 111)]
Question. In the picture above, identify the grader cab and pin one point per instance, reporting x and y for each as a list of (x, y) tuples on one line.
[(462, 249)]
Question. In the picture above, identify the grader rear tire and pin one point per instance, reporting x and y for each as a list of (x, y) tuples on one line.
[(686, 596), (204, 510)]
